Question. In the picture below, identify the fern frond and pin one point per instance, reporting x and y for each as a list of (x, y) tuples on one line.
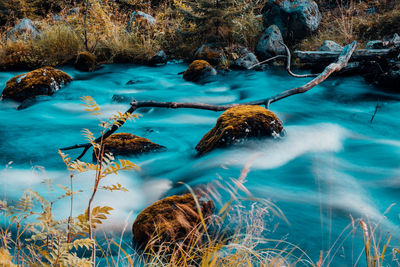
[(123, 165), (91, 105), (115, 187)]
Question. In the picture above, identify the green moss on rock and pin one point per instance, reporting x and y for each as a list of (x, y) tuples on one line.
[(43, 81), (239, 123), (172, 219), (85, 61), (124, 144)]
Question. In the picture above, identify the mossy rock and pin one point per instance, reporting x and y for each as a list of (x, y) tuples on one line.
[(211, 53), (85, 61), (170, 220), (125, 144), (239, 123), (199, 71), (43, 81)]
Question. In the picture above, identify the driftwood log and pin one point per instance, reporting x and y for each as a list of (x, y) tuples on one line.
[(358, 55), (341, 62)]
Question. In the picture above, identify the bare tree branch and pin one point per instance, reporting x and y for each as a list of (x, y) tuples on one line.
[(288, 59), (341, 62)]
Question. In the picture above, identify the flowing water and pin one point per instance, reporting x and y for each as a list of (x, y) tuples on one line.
[(333, 162)]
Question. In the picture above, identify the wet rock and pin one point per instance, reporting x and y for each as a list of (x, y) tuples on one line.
[(295, 18), (125, 144), (199, 71), (159, 59), (211, 53), (386, 43), (270, 43), (329, 45), (123, 98), (245, 59), (239, 123), (170, 220), (24, 28), (43, 81), (85, 61), (140, 18)]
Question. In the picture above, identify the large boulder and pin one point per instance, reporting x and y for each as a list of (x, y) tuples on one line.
[(270, 43), (199, 71), (125, 144), (330, 46), (140, 18), (170, 220), (85, 61), (245, 59), (24, 28), (295, 18), (211, 53), (43, 81), (239, 123)]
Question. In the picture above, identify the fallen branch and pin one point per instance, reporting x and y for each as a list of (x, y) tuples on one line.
[(341, 62), (359, 55), (288, 59)]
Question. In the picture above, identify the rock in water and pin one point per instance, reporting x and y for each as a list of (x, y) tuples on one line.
[(239, 123), (43, 81), (331, 46), (85, 61), (26, 28), (295, 18), (199, 71), (211, 53), (159, 59), (170, 220), (270, 43), (126, 144)]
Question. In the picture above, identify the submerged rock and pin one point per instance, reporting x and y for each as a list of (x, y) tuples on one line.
[(85, 61), (239, 123), (199, 71), (331, 46), (295, 18), (270, 43), (140, 18), (24, 28), (128, 144), (170, 220), (43, 81), (245, 59), (211, 53)]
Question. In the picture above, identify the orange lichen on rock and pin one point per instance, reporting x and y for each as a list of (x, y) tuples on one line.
[(85, 61), (198, 70), (128, 144), (43, 81), (172, 219), (239, 123)]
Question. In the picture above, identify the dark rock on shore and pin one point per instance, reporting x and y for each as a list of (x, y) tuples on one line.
[(125, 144), (382, 44), (239, 123), (211, 53), (170, 220), (85, 61), (199, 71), (159, 59), (43, 81), (295, 18), (245, 60), (270, 43)]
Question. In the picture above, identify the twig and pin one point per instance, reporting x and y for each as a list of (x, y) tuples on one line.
[(288, 59), (331, 68), (376, 110), (267, 60)]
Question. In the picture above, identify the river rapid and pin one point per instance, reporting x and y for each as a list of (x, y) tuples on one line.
[(333, 162)]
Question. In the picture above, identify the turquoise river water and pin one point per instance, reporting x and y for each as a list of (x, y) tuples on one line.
[(333, 162)]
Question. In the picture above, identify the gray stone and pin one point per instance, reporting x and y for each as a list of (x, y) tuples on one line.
[(295, 18), (329, 45), (270, 43), (138, 16), (245, 60), (159, 58), (24, 28), (212, 53)]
